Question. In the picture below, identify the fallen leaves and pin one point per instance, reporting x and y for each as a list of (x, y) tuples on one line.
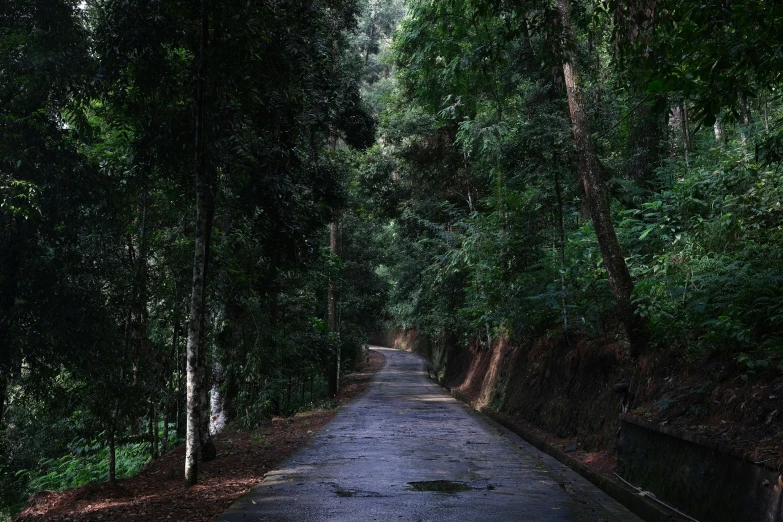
[(158, 492)]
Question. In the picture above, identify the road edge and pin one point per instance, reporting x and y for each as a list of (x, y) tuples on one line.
[(639, 505)]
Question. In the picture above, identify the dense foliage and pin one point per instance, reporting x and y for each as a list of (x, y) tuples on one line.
[(492, 234), (97, 222), (455, 147)]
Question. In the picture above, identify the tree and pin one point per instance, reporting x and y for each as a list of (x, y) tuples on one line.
[(597, 200), (44, 64)]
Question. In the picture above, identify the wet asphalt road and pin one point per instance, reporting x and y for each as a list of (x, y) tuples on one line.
[(405, 429)]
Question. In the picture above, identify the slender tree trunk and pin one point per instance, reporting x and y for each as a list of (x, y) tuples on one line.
[(745, 108), (217, 399), (208, 451), (112, 457), (686, 133), (369, 42), (333, 379), (334, 365), (195, 329), (274, 345), (181, 376), (597, 200), (561, 234), (169, 399), (4, 382), (205, 437), (155, 432), (204, 373), (745, 129), (224, 350), (234, 353), (153, 428), (164, 441), (136, 326)]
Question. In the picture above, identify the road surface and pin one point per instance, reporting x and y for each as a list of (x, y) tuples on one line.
[(406, 450)]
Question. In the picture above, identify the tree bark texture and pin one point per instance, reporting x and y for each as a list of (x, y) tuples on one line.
[(595, 194), (195, 330), (217, 399), (716, 128), (226, 353), (208, 451)]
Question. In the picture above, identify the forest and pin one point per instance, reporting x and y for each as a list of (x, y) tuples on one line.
[(207, 209)]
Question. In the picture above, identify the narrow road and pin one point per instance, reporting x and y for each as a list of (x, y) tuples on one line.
[(406, 450)]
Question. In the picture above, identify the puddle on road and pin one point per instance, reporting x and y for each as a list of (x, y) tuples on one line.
[(356, 493), (444, 486)]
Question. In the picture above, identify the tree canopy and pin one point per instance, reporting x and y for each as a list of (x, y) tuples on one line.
[(191, 193)]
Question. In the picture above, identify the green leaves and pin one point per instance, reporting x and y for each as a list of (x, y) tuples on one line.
[(85, 466), (18, 199), (654, 86)]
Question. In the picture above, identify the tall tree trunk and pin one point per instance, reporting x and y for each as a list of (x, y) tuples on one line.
[(334, 363), (595, 194), (333, 379), (227, 349), (208, 451), (195, 320), (222, 356), (561, 238)]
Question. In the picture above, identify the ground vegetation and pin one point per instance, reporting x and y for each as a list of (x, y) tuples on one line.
[(207, 208)]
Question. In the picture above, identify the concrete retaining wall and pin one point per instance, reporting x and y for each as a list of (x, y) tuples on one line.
[(696, 476)]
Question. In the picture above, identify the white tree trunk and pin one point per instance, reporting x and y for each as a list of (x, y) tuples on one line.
[(217, 399), (196, 316)]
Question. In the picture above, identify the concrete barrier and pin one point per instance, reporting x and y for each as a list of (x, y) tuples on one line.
[(697, 475)]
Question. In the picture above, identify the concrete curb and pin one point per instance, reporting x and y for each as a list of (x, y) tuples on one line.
[(639, 505)]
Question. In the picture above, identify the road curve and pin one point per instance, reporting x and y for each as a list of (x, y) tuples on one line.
[(406, 450)]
